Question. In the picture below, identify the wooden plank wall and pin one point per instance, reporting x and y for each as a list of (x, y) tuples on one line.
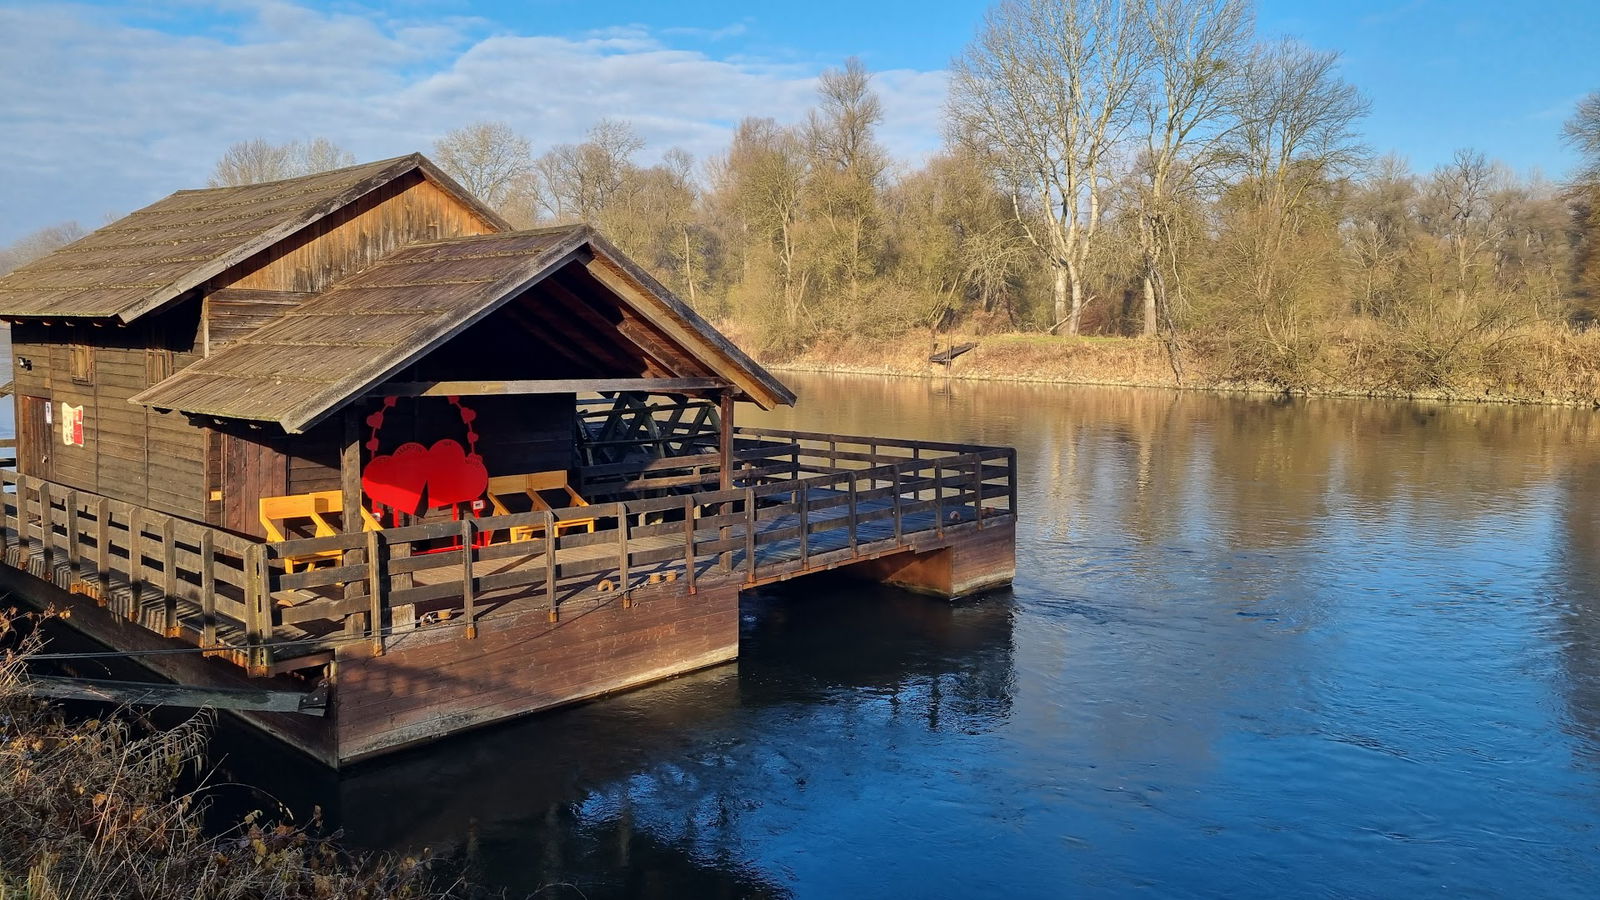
[(232, 313), (422, 690), (406, 211), (130, 453)]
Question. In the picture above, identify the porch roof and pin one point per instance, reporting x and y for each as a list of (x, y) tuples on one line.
[(343, 343)]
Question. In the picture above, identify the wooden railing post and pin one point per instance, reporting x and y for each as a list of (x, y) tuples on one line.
[(622, 549), (550, 561), (169, 577), (468, 591), (74, 563), (1011, 479), (208, 590), (135, 560), (375, 589), (5, 515), (22, 521), (102, 547), (899, 522), (977, 487), (751, 526), (688, 543), (938, 497), (852, 519), (805, 525), (46, 532), (257, 608)]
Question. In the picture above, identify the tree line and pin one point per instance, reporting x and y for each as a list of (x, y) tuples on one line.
[(1140, 168)]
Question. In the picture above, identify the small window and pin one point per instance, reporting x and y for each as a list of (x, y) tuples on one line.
[(157, 366), (82, 363)]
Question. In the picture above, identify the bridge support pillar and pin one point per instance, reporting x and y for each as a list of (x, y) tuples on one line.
[(975, 561)]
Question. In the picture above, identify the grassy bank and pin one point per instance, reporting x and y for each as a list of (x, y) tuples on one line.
[(1536, 365), (98, 809)]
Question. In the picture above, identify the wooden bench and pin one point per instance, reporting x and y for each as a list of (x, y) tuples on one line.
[(278, 514), (530, 485)]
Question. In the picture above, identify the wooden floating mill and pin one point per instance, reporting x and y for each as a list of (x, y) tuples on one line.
[(353, 437)]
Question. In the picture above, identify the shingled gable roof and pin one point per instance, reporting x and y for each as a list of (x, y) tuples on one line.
[(148, 258), (309, 362)]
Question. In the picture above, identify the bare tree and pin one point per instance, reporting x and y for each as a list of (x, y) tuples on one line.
[(847, 164), (488, 158), (766, 173), (38, 244), (1296, 135), (580, 181), (1200, 51), (1582, 133), (1049, 88), (1463, 207), (259, 160)]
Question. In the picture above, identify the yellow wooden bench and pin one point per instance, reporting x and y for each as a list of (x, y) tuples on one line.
[(530, 485), (279, 512)]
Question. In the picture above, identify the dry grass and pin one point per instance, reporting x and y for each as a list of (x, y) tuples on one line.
[(1529, 364), (93, 809)]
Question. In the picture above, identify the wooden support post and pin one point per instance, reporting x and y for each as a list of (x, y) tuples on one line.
[(350, 495), (725, 451), (169, 577), (208, 589), (938, 497), (375, 591), (550, 562), (468, 589), (688, 543), (725, 438)]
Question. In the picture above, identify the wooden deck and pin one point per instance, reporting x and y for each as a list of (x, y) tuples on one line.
[(799, 503)]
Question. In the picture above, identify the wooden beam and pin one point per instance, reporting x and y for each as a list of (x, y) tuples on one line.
[(725, 438), (314, 703), (350, 469), (547, 386)]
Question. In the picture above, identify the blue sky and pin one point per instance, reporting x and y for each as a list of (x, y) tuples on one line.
[(110, 106)]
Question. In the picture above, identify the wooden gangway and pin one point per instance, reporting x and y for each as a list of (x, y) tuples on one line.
[(797, 503)]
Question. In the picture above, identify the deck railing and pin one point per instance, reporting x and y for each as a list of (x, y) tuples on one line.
[(173, 576), (800, 502)]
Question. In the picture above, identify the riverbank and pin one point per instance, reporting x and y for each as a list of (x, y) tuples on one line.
[(1538, 367)]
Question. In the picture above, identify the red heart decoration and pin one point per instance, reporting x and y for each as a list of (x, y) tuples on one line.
[(453, 476), (444, 473), (397, 480)]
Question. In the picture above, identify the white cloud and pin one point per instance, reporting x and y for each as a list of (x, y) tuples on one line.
[(106, 115)]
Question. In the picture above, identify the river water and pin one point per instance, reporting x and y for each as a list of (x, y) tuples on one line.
[(1255, 648)]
